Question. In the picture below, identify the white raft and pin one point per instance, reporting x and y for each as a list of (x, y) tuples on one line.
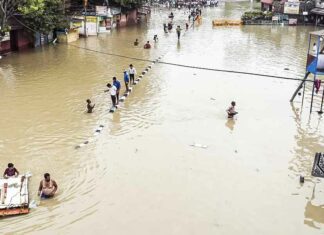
[(14, 198)]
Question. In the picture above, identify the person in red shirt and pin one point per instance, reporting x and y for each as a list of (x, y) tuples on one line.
[(11, 171), (147, 45)]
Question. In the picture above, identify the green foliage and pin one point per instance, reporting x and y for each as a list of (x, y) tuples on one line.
[(130, 3), (44, 15), (7, 9), (256, 15), (31, 6), (278, 7)]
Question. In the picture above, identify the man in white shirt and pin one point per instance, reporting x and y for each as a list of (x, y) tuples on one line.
[(231, 110), (315, 49), (113, 92), (132, 72)]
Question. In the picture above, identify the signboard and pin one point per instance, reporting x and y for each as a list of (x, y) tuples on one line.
[(91, 25), (292, 22), (89, 13), (275, 18), (77, 24), (318, 166), (101, 10), (91, 19), (291, 8), (115, 10)]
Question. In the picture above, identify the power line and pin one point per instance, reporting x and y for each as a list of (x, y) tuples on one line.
[(181, 65), (193, 67), (112, 54)]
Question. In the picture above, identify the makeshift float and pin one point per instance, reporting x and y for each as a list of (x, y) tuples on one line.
[(225, 22), (14, 196)]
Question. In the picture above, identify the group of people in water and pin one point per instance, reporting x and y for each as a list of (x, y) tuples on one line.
[(195, 14), (115, 87), (129, 74), (147, 45), (47, 187), (114, 90)]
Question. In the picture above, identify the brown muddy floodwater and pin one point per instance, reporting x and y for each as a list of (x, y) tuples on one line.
[(140, 175)]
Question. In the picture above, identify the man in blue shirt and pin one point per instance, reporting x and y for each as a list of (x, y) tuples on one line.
[(126, 80), (116, 83)]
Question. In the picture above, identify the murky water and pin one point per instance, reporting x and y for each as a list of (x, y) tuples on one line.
[(140, 175)]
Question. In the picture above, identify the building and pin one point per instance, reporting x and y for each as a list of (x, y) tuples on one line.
[(266, 5), (18, 38)]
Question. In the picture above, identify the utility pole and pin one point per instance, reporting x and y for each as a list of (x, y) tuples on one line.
[(85, 4)]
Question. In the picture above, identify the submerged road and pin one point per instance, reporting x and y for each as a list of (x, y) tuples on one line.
[(142, 174)]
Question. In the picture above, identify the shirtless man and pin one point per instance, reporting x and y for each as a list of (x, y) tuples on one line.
[(47, 187)]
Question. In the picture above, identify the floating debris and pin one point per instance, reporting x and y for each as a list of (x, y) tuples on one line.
[(199, 145), (33, 204)]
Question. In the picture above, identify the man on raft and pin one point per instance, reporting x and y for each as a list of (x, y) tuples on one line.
[(11, 171)]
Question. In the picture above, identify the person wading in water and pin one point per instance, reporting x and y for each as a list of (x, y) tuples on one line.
[(116, 83), (126, 80), (132, 73), (90, 106), (147, 45), (113, 92), (47, 187), (231, 110), (178, 32)]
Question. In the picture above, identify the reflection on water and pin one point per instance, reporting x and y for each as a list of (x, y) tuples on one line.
[(139, 175), (230, 123), (314, 211), (309, 140)]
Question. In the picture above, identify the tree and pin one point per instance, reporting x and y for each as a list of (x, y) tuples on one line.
[(44, 15), (130, 3), (7, 9)]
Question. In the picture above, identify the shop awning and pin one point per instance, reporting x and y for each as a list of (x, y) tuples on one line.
[(268, 2), (318, 11)]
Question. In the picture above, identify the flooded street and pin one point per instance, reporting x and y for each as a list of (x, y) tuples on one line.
[(141, 175)]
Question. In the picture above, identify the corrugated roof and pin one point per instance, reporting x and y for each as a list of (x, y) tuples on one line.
[(318, 33), (318, 11)]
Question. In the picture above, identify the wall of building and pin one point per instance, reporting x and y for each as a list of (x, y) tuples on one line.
[(132, 17), (5, 47), (25, 40)]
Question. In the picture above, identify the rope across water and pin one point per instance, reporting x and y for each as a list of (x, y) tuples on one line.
[(193, 67)]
